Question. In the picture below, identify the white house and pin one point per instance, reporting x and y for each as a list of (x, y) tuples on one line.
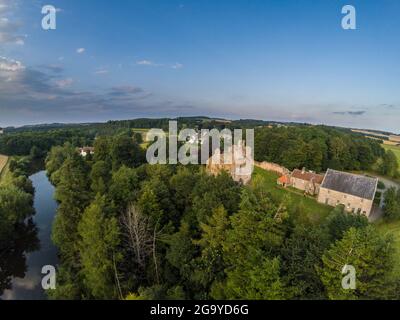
[(84, 151)]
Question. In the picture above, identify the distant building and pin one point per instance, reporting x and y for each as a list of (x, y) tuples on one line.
[(84, 151), (239, 163), (1, 131), (307, 181), (355, 192)]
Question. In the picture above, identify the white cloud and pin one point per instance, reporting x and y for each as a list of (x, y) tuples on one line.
[(150, 63), (80, 50), (101, 71), (146, 63), (8, 27), (177, 66), (5, 6), (64, 83), (10, 65)]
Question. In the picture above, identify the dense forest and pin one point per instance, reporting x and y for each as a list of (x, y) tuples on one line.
[(40, 142), (128, 230), (317, 148)]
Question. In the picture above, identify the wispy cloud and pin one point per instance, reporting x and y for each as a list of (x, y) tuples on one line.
[(177, 66), (150, 63), (53, 68), (147, 63), (351, 113), (101, 71), (125, 90), (30, 95), (10, 65), (64, 83), (389, 106), (9, 27), (80, 50)]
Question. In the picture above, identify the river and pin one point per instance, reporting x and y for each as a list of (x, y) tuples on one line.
[(32, 248)]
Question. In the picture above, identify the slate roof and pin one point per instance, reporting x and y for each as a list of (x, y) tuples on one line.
[(353, 184), (307, 176)]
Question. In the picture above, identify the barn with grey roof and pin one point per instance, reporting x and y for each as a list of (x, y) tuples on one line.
[(355, 192)]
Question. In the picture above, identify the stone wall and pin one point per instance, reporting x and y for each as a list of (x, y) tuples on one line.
[(269, 166), (351, 203), (239, 166), (307, 186)]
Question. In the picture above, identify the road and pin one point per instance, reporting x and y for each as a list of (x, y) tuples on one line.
[(377, 212)]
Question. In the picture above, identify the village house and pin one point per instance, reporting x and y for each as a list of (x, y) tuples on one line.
[(355, 192), (307, 181), (84, 151)]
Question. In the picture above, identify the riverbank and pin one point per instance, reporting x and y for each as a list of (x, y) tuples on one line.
[(21, 263)]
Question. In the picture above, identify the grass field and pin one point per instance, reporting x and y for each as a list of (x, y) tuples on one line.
[(395, 149), (316, 212), (3, 163)]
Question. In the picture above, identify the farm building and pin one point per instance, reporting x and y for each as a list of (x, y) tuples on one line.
[(355, 192), (307, 181)]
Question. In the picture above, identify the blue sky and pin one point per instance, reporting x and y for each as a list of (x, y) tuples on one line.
[(275, 60)]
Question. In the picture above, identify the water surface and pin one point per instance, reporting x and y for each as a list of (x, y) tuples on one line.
[(31, 248)]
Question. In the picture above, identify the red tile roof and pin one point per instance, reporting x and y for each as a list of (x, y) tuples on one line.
[(284, 179), (307, 176)]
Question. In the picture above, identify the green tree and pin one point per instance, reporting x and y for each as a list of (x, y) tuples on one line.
[(389, 165), (181, 252), (102, 149), (55, 159), (15, 206), (257, 279), (210, 266), (99, 237), (391, 207), (340, 221), (252, 248), (137, 137), (100, 177), (124, 187), (372, 257), (125, 151), (301, 255), (73, 194)]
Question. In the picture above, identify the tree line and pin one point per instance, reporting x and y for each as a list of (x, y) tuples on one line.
[(317, 148), (40, 142), (129, 230)]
